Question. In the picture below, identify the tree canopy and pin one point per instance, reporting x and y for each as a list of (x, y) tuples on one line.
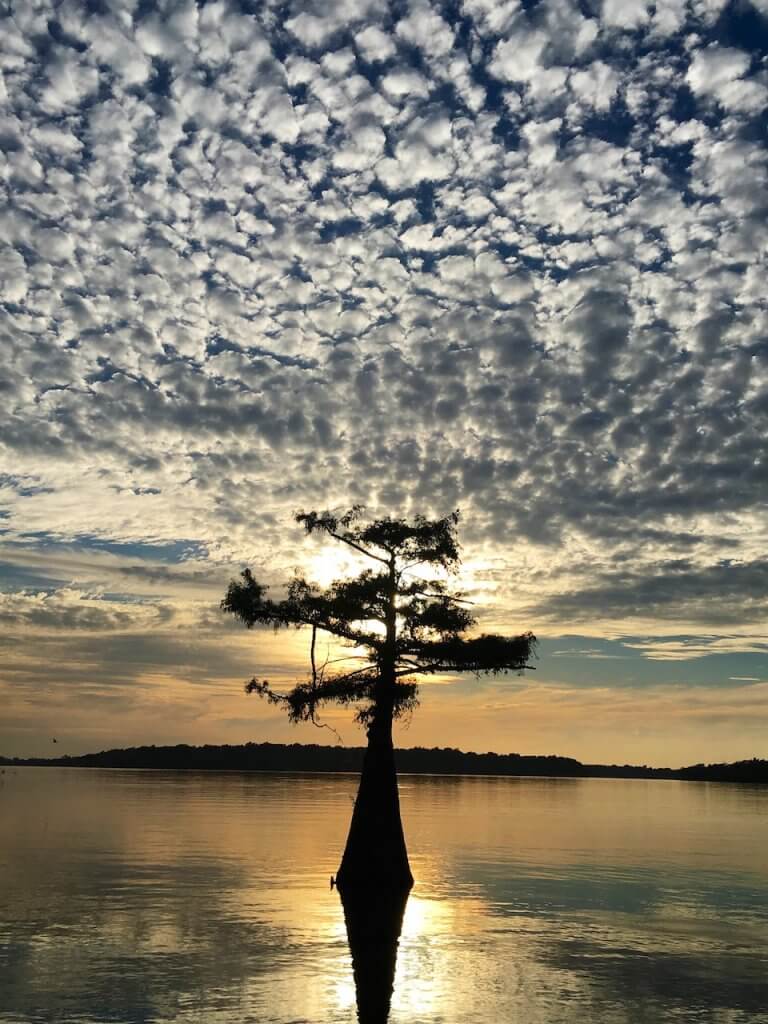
[(397, 619)]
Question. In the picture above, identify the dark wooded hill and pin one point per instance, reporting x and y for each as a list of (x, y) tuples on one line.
[(310, 757)]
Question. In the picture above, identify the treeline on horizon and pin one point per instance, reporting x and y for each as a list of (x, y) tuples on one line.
[(311, 757)]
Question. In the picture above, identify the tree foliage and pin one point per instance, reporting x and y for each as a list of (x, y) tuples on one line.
[(398, 620)]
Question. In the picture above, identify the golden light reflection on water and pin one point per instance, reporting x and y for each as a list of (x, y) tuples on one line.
[(165, 897), (426, 920), (414, 995)]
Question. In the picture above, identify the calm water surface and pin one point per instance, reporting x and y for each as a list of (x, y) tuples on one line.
[(130, 896)]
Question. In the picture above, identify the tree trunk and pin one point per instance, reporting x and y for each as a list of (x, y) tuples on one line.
[(375, 855)]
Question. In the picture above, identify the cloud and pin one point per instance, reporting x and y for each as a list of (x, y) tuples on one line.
[(72, 610), (512, 261), (625, 14), (596, 86), (717, 72), (716, 66), (721, 594), (375, 44)]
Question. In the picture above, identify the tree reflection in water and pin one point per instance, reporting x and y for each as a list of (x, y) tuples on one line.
[(374, 921)]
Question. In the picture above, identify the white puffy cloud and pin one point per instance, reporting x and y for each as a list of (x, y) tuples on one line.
[(375, 44), (715, 67), (404, 82), (310, 29), (518, 58), (625, 14), (668, 17), (425, 28), (596, 85), (68, 84), (13, 275)]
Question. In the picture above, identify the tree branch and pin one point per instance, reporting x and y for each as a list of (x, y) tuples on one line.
[(431, 669), (442, 597), (312, 655), (357, 547)]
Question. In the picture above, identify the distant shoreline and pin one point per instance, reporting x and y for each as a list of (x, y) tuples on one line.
[(310, 757)]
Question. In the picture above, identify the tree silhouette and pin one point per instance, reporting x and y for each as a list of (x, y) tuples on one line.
[(396, 624)]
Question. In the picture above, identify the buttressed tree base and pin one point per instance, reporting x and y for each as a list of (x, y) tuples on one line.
[(402, 622)]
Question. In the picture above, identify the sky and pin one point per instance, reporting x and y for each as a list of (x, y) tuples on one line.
[(505, 257)]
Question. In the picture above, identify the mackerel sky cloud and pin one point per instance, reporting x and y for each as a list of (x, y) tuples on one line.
[(507, 257)]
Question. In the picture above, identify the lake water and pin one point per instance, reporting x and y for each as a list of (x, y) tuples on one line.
[(129, 896)]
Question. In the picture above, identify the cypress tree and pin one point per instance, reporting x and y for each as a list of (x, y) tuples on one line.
[(403, 622)]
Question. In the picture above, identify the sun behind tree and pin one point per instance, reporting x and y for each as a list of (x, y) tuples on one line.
[(401, 625)]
